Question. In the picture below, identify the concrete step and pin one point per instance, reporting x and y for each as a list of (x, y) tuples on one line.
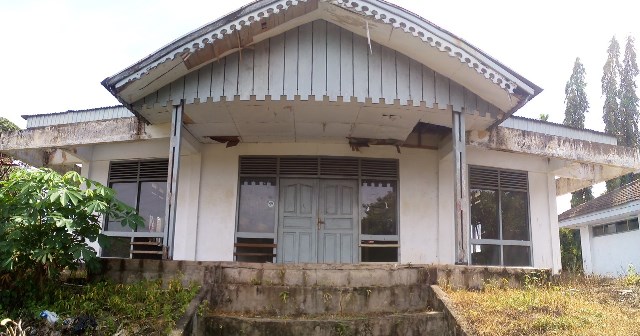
[(305, 300), (411, 324), (326, 275)]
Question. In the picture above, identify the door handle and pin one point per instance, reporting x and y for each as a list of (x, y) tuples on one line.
[(320, 222)]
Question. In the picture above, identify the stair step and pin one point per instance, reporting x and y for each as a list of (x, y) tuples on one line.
[(302, 300), (412, 324)]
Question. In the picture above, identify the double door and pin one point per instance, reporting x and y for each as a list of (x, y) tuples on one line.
[(317, 221)]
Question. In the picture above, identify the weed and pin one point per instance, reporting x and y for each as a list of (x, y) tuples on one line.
[(284, 296), (281, 273), (632, 278), (203, 308), (326, 297), (256, 282), (342, 329)]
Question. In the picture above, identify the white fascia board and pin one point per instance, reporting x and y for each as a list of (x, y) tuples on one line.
[(621, 212)]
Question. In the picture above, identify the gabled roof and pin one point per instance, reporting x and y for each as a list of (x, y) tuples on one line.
[(623, 195), (384, 22)]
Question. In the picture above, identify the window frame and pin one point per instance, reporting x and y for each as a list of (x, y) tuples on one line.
[(138, 180), (501, 243)]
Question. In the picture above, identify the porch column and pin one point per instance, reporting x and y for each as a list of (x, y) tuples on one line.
[(461, 215), (172, 178), (585, 241)]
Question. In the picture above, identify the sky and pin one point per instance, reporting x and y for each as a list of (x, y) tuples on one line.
[(54, 54)]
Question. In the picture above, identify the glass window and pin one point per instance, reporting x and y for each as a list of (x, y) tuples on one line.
[(515, 215), (484, 214), (617, 227), (516, 255), (257, 211), (485, 255), (378, 252), (127, 193), (152, 206), (499, 204), (378, 210), (633, 224), (117, 247)]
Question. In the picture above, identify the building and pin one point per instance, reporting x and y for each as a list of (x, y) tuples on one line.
[(326, 132), (609, 232)]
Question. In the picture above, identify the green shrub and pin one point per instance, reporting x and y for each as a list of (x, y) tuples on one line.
[(46, 223)]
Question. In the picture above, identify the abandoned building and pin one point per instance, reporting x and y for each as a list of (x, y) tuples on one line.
[(326, 131)]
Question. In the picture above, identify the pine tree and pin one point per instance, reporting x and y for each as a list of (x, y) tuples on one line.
[(576, 106), (628, 97), (610, 76), (611, 109)]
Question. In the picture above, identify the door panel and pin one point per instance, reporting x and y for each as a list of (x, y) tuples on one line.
[(337, 204), (298, 215)]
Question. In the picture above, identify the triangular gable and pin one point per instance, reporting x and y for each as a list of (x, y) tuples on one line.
[(387, 24), (317, 61)]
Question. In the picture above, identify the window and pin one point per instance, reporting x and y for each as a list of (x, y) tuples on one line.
[(378, 221), (617, 227), (499, 217), (141, 185)]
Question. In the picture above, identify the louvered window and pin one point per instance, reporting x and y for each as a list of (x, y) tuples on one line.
[(318, 167), (499, 202), (141, 185)]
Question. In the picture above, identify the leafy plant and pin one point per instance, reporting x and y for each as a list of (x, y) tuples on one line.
[(46, 223), (632, 278)]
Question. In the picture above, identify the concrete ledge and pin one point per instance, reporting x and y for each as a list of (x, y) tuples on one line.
[(264, 300), (456, 324), (320, 275), (429, 323)]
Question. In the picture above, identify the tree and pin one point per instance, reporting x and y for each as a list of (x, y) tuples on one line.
[(544, 116), (570, 250), (576, 106), (47, 220), (6, 162), (620, 110)]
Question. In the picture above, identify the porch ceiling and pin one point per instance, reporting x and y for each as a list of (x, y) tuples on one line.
[(307, 121)]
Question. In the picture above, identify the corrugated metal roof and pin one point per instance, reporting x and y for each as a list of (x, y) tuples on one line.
[(625, 194), (546, 127), (75, 116)]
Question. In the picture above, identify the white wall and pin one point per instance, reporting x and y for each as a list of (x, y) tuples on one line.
[(612, 254), (219, 187), (208, 190)]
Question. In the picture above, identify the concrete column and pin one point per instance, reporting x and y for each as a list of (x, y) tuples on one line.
[(461, 214), (172, 178), (585, 241)]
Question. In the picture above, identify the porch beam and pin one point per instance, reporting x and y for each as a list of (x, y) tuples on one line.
[(461, 216), (172, 180), (552, 146)]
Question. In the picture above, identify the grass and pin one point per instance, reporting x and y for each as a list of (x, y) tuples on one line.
[(568, 305), (141, 308)]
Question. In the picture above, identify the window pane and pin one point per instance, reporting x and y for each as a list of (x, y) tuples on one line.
[(152, 206), (485, 255), (622, 226), (257, 205), (517, 255), (598, 230), (378, 209), (515, 214), (484, 214), (633, 224), (117, 247), (126, 192), (610, 228), (379, 254), (259, 250)]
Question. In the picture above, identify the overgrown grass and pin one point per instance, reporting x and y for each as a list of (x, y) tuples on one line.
[(574, 305), (141, 308)]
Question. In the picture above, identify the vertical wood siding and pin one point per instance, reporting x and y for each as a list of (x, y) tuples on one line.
[(320, 59)]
